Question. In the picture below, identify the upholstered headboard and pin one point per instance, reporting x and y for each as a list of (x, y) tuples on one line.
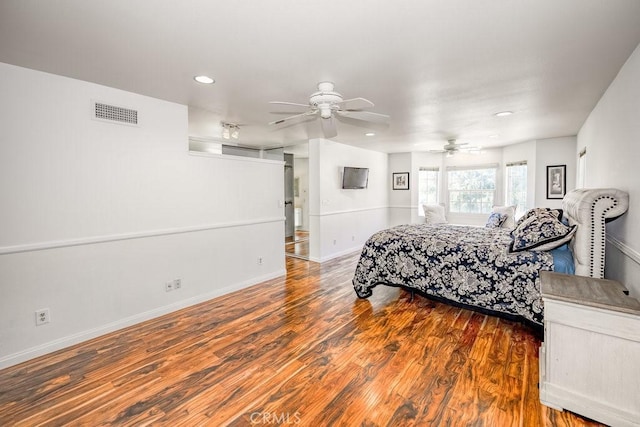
[(589, 209)]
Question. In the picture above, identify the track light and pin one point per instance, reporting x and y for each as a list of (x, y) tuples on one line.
[(230, 130)]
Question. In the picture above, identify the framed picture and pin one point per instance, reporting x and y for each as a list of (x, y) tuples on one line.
[(556, 181), (401, 180)]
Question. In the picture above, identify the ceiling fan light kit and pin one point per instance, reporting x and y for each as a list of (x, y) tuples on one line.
[(329, 105)]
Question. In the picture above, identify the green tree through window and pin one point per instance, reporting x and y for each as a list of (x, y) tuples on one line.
[(471, 190)]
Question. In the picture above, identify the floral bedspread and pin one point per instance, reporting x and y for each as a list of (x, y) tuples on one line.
[(468, 265)]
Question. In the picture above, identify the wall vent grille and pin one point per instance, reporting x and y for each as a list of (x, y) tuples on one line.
[(115, 114)]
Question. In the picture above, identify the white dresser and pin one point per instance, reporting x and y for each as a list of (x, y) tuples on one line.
[(590, 358)]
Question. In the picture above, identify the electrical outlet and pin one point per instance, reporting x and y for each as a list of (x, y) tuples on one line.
[(353, 238), (42, 316), (335, 241), (173, 285), (259, 260)]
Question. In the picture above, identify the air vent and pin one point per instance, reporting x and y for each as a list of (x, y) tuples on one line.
[(112, 113)]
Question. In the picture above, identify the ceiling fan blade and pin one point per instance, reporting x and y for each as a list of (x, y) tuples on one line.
[(294, 104), (365, 115), (453, 143), (355, 104), (306, 113), (329, 127)]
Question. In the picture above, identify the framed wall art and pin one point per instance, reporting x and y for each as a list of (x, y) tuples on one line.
[(401, 180), (556, 181)]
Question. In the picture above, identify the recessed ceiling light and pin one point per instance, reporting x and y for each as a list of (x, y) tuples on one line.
[(370, 134), (495, 135), (503, 113), (204, 79)]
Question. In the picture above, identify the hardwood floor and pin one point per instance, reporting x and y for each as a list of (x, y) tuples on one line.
[(297, 351)]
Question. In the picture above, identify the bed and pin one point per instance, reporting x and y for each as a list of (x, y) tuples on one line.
[(486, 268)]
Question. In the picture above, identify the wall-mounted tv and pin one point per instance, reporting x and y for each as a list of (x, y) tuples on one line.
[(355, 178)]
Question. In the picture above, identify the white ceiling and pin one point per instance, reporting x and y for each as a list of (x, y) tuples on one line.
[(440, 68)]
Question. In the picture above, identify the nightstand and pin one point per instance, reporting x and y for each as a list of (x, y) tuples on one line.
[(590, 358)]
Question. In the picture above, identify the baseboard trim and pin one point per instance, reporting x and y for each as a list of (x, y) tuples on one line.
[(337, 254), (64, 342)]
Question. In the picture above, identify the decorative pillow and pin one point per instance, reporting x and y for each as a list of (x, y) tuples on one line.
[(541, 233), (495, 220), (434, 214), (537, 212), (509, 212)]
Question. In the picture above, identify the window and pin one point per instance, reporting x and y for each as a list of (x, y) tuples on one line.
[(427, 187), (516, 188), (471, 190), (582, 169)]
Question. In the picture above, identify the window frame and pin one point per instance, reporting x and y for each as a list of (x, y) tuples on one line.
[(491, 166), (520, 210), (435, 169)]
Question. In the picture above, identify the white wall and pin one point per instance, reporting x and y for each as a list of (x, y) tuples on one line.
[(342, 220), (550, 152), (98, 216), (401, 201), (611, 136)]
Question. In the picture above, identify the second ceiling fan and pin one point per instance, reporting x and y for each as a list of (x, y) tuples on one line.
[(329, 105), (452, 147)]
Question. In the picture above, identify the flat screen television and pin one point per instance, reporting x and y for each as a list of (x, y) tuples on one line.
[(355, 178)]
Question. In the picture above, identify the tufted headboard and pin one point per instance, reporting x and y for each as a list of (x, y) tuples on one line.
[(590, 208)]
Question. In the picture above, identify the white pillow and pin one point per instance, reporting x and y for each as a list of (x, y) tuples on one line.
[(434, 214), (509, 212)]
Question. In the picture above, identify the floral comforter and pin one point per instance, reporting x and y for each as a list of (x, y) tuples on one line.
[(467, 265)]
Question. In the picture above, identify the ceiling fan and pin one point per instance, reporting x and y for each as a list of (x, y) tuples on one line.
[(452, 147), (328, 105)]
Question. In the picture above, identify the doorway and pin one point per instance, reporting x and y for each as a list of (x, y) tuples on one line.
[(296, 201)]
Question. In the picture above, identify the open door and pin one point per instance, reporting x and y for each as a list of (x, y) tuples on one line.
[(289, 212)]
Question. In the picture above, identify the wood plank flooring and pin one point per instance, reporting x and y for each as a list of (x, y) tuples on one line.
[(301, 350)]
